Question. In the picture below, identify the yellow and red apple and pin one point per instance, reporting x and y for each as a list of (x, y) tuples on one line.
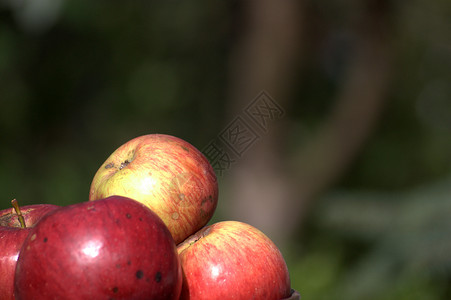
[(232, 260), (165, 173)]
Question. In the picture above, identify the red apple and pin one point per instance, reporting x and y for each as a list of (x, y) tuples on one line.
[(232, 260), (114, 248), (12, 236), (165, 173)]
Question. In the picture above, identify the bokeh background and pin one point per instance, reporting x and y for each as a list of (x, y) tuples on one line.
[(352, 181)]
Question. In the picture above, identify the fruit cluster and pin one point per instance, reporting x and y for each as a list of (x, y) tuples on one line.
[(143, 234)]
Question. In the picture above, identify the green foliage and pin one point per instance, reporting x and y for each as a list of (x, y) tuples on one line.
[(393, 245)]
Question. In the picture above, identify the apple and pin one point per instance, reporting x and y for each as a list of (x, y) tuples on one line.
[(165, 173), (113, 248), (31, 214), (232, 260), (12, 235)]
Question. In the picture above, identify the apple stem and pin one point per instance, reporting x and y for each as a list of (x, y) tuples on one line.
[(15, 204)]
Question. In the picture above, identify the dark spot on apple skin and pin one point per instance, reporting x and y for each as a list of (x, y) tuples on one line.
[(141, 219), (158, 276), (115, 289), (124, 164), (184, 148), (45, 240), (129, 216), (109, 166), (139, 274), (129, 262)]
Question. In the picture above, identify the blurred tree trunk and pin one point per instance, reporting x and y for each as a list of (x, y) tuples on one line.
[(264, 58), (266, 189)]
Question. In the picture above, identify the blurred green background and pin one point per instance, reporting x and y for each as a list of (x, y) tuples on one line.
[(364, 145)]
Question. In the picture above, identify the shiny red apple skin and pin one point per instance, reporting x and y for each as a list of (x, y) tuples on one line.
[(165, 173), (113, 248), (232, 260), (11, 238)]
